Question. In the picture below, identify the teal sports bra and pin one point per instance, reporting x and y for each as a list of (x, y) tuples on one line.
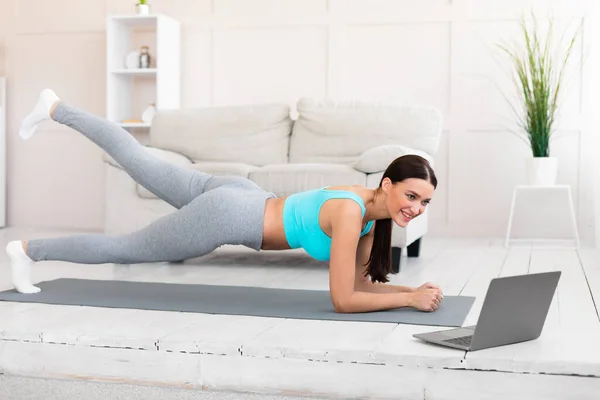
[(301, 220)]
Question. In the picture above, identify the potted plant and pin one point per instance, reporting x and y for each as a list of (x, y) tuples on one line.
[(538, 70), (142, 8)]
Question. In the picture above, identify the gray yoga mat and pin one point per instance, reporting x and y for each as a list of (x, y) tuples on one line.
[(232, 300)]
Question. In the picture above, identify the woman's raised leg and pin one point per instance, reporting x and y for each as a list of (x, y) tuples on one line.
[(174, 184)]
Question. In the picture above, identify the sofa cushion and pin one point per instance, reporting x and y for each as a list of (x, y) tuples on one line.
[(213, 168), (378, 158), (339, 132), (253, 134), (286, 179)]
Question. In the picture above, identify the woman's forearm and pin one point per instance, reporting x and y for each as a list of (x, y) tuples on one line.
[(378, 287), (366, 302)]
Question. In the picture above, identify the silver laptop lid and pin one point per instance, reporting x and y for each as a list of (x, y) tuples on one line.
[(514, 309)]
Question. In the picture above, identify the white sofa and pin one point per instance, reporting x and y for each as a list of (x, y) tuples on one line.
[(329, 143)]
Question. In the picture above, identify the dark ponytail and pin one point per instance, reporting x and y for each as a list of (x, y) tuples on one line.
[(405, 167), (380, 260)]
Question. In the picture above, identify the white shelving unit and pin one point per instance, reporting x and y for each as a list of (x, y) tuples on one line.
[(2, 152), (122, 37)]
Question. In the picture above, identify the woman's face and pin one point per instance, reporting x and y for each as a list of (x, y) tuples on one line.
[(407, 199)]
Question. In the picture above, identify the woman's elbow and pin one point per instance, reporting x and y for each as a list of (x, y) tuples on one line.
[(342, 305)]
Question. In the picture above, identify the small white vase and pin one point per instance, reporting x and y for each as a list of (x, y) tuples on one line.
[(149, 113), (542, 171), (142, 9)]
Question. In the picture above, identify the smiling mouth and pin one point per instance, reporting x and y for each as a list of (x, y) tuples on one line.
[(407, 216)]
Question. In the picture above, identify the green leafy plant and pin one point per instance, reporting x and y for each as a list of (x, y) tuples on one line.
[(538, 71), (143, 2)]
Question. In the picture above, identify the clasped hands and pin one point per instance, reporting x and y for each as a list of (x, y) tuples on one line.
[(427, 297)]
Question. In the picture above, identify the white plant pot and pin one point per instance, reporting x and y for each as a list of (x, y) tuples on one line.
[(542, 171), (142, 9)]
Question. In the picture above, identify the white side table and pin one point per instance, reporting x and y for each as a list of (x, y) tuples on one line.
[(568, 198)]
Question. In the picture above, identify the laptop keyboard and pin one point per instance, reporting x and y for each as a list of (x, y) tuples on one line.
[(462, 341)]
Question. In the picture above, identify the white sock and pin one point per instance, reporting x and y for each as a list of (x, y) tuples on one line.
[(40, 113), (20, 264)]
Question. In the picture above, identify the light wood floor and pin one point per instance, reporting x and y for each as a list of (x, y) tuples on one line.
[(320, 358)]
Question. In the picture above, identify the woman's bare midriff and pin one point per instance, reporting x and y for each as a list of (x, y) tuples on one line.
[(273, 230)]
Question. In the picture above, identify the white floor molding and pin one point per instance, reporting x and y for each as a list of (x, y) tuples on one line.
[(332, 359)]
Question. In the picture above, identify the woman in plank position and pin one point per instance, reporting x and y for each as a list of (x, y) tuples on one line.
[(348, 225)]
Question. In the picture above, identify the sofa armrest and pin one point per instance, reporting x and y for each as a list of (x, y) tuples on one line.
[(167, 155), (378, 158)]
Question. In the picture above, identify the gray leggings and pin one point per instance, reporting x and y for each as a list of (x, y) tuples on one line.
[(211, 210)]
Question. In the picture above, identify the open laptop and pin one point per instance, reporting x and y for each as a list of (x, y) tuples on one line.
[(514, 310)]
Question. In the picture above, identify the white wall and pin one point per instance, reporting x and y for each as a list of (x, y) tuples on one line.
[(591, 114), (436, 52), (4, 29)]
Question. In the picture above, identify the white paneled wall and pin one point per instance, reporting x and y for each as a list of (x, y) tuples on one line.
[(434, 52), (269, 64), (395, 63), (5, 22), (2, 151)]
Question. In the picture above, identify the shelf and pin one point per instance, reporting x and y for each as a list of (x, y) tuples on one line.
[(130, 90), (136, 20), (136, 71), (134, 124)]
